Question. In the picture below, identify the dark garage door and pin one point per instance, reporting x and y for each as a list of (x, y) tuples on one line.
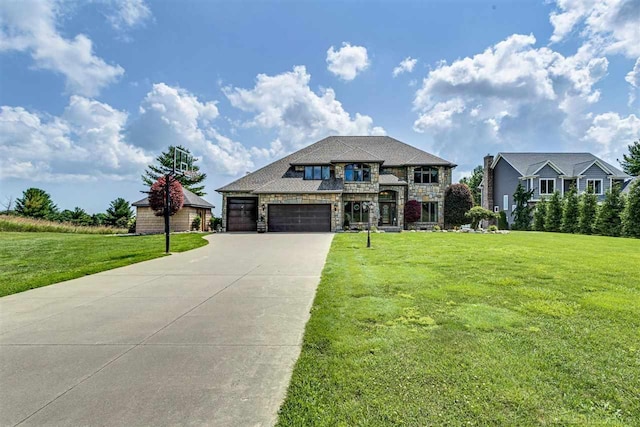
[(242, 214), (300, 217)]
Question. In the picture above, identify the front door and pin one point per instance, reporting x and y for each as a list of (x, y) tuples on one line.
[(388, 213)]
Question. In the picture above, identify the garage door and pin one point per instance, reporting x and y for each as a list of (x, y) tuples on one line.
[(242, 214), (299, 217)]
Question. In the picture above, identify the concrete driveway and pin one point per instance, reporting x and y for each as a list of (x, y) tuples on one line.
[(206, 337)]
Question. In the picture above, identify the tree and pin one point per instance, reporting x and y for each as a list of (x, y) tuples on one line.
[(157, 196), (477, 214), (165, 165), (412, 211), (458, 200), (539, 215), (570, 212), (36, 203), (553, 218), (609, 218), (522, 212), (631, 214), (119, 213), (8, 204), (98, 219), (588, 211), (473, 182), (631, 162), (503, 224)]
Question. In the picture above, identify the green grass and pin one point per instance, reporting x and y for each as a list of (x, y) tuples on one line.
[(32, 225), (466, 329), (31, 260)]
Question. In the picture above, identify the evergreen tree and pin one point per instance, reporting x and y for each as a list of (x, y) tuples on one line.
[(473, 182), (553, 218), (631, 215), (165, 164), (588, 212), (570, 212), (522, 212), (539, 215), (119, 213), (609, 219), (36, 203), (631, 162), (98, 219)]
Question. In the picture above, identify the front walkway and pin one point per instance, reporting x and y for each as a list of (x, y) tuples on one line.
[(205, 337)]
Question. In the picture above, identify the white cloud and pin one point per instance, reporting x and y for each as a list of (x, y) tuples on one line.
[(85, 143), (610, 134), (440, 115), (129, 14), (173, 116), (633, 78), (347, 62), (30, 26), (406, 66), (286, 103)]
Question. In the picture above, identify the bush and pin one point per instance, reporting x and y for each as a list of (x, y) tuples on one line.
[(412, 211), (477, 214), (131, 226), (214, 222), (436, 228), (503, 224), (588, 211), (631, 214), (195, 224), (458, 200), (493, 228), (553, 218)]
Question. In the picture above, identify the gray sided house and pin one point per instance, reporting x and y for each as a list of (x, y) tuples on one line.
[(148, 223), (544, 173), (326, 187)]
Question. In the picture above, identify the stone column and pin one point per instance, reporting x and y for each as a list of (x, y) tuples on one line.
[(487, 188)]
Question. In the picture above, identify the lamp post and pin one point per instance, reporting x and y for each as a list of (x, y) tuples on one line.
[(369, 206)]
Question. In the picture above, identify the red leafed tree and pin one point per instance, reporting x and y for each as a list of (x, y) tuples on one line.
[(412, 211), (157, 196)]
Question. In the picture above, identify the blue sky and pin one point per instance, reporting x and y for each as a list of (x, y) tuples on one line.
[(91, 91)]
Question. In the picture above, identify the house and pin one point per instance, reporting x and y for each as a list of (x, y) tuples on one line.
[(148, 223), (627, 186), (544, 173), (326, 187)]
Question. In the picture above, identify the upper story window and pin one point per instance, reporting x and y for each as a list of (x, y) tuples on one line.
[(425, 175), (547, 186), (357, 172), (317, 172)]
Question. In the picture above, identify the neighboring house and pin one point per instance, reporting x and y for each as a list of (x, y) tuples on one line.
[(328, 182), (544, 173), (627, 186), (148, 223)]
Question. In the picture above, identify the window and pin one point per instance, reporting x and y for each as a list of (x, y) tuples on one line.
[(425, 175), (429, 212), (547, 186), (594, 186), (505, 202), (317, 172), (357, 172), (356, 212)]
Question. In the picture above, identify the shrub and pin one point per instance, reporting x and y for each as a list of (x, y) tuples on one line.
[(412, 211), (539, 215), (477, 214), (570, 212), (588, 210), (609, 221), (493, 228), (503, 224), (631, 214), (195, 224), (522, 213), (157, 196), (214, 222), (436, 228), (458, 200), (553, 218), (131, 227)]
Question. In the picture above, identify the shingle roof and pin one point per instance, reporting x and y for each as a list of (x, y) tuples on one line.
[(571, 164), (627, 185), (190, 199), (388, 179), (276, 176)]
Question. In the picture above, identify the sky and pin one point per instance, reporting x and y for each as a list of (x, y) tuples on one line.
[(91, 91)]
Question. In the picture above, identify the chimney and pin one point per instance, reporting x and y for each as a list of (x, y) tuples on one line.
[(487, 188)]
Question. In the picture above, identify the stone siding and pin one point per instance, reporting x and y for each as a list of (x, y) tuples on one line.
[(332, 199), (360, 187), (400, 200), (429, 193)]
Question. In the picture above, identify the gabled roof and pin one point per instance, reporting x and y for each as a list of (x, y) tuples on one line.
[(190, 200), (569, 164), (277, 177)]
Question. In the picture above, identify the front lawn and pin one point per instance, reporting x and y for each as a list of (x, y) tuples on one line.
[(466, 329), (30, 260)]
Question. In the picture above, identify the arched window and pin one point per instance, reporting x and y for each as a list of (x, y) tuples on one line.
[(425, 175), (356, 172)]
